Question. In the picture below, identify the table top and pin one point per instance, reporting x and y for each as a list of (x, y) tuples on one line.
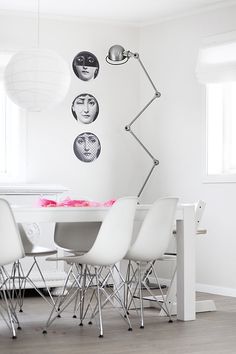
[(76, 214)]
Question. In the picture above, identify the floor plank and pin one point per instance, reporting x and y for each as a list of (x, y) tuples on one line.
[(212, 332)]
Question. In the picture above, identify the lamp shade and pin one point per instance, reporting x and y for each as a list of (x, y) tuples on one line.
[(36, 79), (117, 55)]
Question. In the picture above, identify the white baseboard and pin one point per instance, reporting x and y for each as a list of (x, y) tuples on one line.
[(217, 290), (204, 288)]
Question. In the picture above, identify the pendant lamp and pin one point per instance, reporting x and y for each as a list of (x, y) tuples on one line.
[(36, 78)]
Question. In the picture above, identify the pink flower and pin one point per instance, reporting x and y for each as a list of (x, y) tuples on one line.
[(67, 202), (42, 202)]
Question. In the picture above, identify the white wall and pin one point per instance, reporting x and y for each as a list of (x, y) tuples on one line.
[(51, 133), (174, 128)]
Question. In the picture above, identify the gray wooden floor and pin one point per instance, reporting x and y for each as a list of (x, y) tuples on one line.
[(213, 332)]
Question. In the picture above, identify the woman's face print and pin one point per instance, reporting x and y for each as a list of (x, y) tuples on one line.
[(85, 66), (85, 108), (87, 147)]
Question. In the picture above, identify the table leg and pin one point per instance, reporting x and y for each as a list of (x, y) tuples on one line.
[(185, 236)]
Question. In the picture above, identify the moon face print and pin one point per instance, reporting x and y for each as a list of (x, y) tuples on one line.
[(87, 147), (85, 66)]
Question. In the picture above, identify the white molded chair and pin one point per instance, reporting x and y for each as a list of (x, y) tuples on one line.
[(70, 236), (150, 244), (20, 278), (11, 250), (111, 244)]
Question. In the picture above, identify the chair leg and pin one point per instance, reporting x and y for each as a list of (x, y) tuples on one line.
[(131, 287), (127, 282), (63, 300), (18, 284), (141, 283), (114, 297), (171, 294), (163, 303), (140, 295), (9, 314), (81, 295), (5, 295), (44, 281), (166, 308), (99, 303), (93, 282), (117, 297), (82, 282)]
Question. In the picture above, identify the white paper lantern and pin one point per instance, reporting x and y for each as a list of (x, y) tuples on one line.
[(36, 79)]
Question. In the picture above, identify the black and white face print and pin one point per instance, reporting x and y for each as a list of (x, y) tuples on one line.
[(85, 66), (87, 147), (85, 108)]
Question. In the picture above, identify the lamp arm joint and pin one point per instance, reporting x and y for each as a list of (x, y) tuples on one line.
[(129, 54), (155, 162)]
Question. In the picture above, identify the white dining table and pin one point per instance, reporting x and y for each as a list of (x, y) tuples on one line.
[(185, 237)]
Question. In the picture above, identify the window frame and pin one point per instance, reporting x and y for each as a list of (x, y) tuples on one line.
[(223, 176)]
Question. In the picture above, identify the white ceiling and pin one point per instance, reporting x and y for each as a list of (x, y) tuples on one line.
[(137, 12)]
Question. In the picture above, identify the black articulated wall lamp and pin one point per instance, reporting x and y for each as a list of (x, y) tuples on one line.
[(117, 55)]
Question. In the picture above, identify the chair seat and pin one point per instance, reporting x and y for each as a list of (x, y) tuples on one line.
[(38, 251), (167, 257)]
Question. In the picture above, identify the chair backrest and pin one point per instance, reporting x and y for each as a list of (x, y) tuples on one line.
[(76, 236), (155, 232), (115, 234), (27, 244), (11, 248)]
